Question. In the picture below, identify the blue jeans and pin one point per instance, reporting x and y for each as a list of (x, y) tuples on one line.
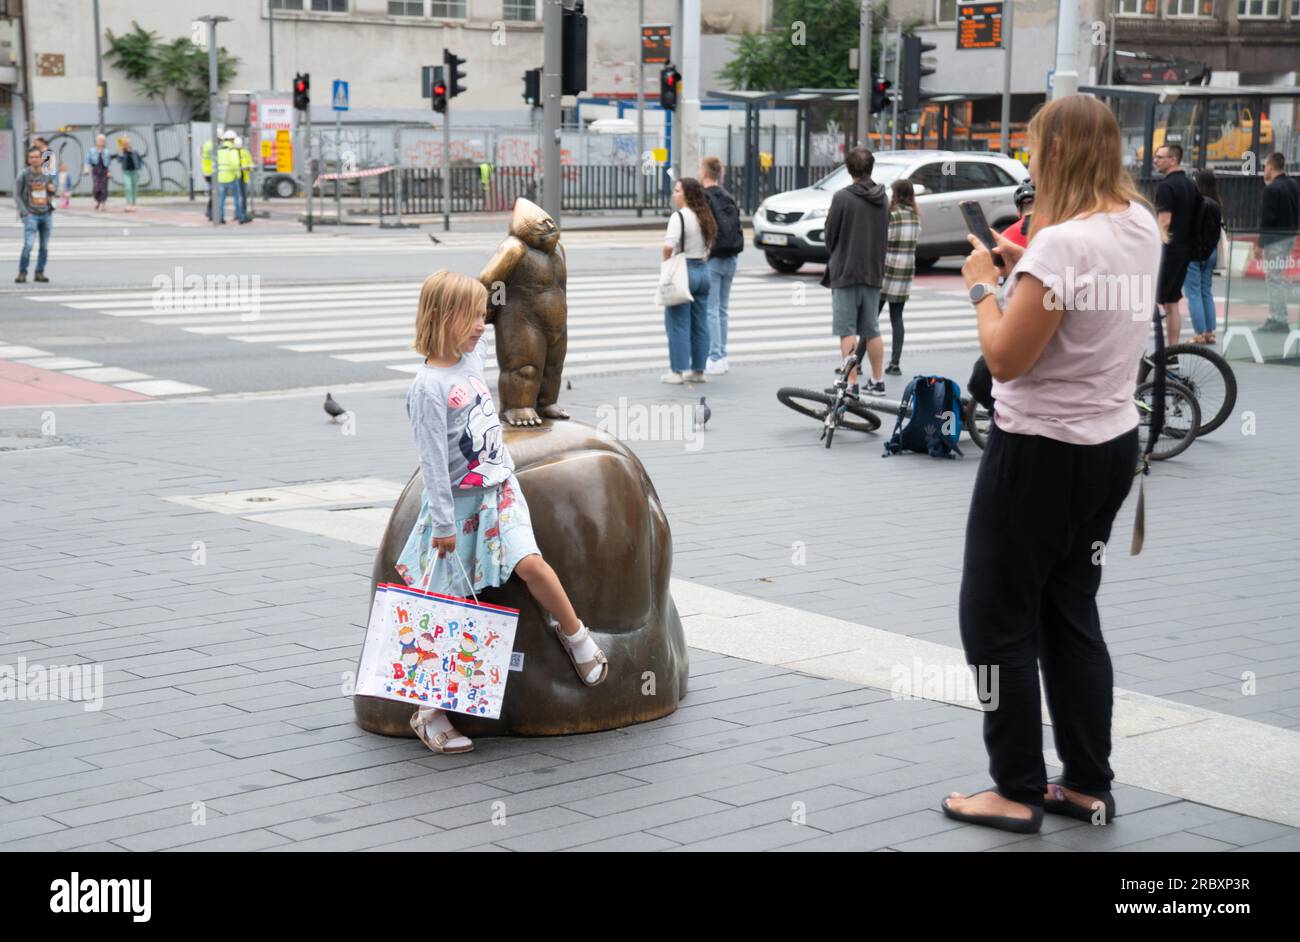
[(721, 272), (233, 189), (1198, 287), (34, 225), (688, 324)]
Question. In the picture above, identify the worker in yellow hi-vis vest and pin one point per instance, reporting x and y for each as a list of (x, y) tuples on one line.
[(229, 173), (246, 169), (207, 173)]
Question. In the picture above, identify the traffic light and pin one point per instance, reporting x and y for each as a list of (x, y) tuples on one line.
[(880, 94), (533, 87), (452, 63), (439, 91), (670, 81), (573, 71), (302, 90), (102, 91), (913, 71)]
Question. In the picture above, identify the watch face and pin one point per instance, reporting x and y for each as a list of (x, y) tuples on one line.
[(977, 293)]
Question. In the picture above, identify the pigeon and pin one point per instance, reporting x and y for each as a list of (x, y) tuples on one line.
[(333, 409), (568, 384), (434, 238), (702, 413)]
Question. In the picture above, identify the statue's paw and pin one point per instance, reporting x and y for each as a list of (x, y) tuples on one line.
[(554, 412), (522, 417)]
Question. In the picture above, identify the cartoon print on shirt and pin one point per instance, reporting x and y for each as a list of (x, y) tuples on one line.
[(481, 442)]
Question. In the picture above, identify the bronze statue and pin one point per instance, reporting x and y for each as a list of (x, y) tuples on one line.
[(526, 282)]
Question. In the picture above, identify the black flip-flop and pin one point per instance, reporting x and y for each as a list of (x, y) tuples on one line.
[(1001, 822), (1059, 804)]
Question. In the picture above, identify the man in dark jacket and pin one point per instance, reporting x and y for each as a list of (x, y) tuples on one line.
[(1279, 218), (857, 230)]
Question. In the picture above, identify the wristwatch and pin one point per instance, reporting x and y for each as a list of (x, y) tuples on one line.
[(980, 291)]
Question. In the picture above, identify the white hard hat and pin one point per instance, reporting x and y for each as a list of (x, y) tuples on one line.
[(227, 135)]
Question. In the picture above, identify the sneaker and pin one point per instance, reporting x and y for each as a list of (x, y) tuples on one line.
[(716, 367), (673, 379), (893, 370), (39, 276), (22, 276), (695, 376), (875, 387)]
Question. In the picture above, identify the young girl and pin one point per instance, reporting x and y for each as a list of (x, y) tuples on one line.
[(65, 185), (473, 505)]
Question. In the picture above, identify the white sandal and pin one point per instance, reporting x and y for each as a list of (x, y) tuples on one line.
[(584, 667), (447, 742)]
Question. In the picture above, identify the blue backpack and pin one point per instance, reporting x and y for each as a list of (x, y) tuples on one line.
[(929, 418)]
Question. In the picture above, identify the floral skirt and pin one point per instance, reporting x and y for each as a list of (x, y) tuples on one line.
[(493, 533)]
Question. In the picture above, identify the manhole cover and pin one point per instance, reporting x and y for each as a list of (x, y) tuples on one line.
[(26, 439)]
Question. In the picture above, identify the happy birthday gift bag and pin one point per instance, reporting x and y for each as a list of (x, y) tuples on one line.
[(437, 650)]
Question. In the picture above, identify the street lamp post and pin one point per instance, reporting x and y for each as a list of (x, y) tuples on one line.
[(212, 20), (99, 76)]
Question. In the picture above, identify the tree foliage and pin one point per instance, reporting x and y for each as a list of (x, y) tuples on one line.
[(807, 47), (175, 70)]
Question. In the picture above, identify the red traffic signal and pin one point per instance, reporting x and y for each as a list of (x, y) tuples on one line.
[(302, 91), (669, 82)]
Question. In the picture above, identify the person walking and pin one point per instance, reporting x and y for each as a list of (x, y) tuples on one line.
[(691, 231), (131, 164), (34, 192), (723, 257), (900, 264), (1177, 203), (1279, 218), (65, 186), (206, 160), (1198, 286), (228, 176), (245, 172), (857, 232), (1064, 355), (98, 160)]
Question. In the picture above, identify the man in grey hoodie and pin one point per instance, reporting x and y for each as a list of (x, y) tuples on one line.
[(857, 230), (34, 195)]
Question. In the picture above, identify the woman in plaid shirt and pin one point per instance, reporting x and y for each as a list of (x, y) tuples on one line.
[(900, 264)]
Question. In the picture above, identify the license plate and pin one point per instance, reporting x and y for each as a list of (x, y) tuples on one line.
[(774, 239)]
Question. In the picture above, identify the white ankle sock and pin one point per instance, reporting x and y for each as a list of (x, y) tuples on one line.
[(584, 649)]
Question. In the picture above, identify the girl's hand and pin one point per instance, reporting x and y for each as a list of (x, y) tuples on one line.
[(444, 545), (979, 266)]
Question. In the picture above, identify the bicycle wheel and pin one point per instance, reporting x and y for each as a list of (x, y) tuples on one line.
[(1182, 418), (1207, 374), (816, 405), (978, 423)]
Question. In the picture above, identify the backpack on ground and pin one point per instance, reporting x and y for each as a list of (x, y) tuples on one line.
[(929, 418), (731, 236)]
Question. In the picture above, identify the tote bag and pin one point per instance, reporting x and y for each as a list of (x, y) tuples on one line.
[(437, 650), (674, 286)]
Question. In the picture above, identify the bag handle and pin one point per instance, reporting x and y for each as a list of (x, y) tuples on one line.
[(681, 249), (1154, 430), (424, 587)]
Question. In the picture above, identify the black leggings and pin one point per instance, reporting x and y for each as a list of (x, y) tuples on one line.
[(895, 328), (1040, 517)]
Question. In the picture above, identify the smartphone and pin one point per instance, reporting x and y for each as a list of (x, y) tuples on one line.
[(973, 213)]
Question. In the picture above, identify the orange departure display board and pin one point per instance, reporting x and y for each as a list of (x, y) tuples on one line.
[(979, 26), (656, 44)]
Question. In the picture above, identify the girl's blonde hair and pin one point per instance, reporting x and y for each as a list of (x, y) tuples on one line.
[(450, 304), (1080, 163)]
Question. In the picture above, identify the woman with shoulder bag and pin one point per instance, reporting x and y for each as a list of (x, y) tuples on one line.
[(691, 231), (1064, 355), (1198, 285)]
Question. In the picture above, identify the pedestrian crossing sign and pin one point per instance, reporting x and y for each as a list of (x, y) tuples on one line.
[(340, 95)]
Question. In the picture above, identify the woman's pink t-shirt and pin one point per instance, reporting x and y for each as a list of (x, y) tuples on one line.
[(1103, 269)]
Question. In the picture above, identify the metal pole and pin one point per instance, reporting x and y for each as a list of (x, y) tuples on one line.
[(338, 161), (212, 111), (446, 164), (99, 71), (1110, 52), (553, 40), (311, 165), (675, 122), (640, 110), (1009, 6), (864, 69), (270, 36), (397, 174), (898, 79)]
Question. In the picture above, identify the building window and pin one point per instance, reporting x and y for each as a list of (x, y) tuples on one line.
[(406, 7), (1295, 11), (1259, 9), (448, 9), (1189, 8), (1137, 7), (524, 10), (945, 11), (286, 4), (329, 6)]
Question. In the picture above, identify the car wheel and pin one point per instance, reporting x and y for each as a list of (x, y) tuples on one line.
[(785, 266), (284, 188), (925, 264)]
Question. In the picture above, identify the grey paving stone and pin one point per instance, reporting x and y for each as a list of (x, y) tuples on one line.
[(1129, 829), (1179, 842), (487, 830), (889, 832), (798, 808), (596, 829)]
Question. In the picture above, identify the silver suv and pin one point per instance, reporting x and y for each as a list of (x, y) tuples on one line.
[(789, 228)]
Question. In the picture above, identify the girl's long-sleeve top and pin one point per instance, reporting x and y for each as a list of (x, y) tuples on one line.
[(458, 434)]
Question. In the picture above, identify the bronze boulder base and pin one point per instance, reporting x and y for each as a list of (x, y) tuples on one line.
[(599, 524)]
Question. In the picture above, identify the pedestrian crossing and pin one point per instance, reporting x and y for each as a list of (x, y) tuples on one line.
[(614, 324), (129, 380), (240, 243)]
